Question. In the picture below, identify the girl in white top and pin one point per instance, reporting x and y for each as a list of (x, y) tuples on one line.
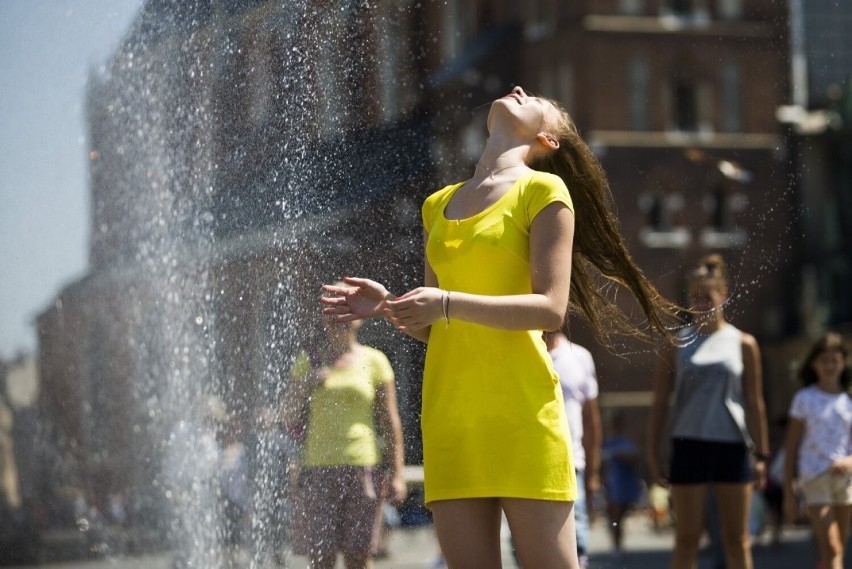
[(819, 446)]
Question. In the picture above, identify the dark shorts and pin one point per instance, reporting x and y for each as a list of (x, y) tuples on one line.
[(702, 462), (338, 510)]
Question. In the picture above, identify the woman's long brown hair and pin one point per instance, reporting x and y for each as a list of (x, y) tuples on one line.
[(601, 263)]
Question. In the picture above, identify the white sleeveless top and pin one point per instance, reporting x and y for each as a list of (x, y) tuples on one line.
[(709, 388)]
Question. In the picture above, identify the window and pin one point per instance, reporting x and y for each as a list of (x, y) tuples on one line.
[(542, 16), (730, 9), (631, 7), (663, 225), (723, 202), (639, 82), (565, 79), (686, 11), (458, 17), (389, 42), (732, 96), (684, 105)]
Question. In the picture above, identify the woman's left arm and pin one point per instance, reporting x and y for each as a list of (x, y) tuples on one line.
[(551, 239), (755, 407), (390, 429)]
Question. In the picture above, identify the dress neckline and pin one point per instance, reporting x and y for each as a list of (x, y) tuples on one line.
[(487, 209)]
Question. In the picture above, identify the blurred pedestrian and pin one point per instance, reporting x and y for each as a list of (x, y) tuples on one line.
[(819, 446), (232, 469), (190, 472), (274, 451), (620, 455), (349, 400), (502, 252), (577, 378), (719, 415), (773, 493)]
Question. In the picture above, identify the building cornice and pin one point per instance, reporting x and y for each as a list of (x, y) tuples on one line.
[(672, 25), (674, 139)]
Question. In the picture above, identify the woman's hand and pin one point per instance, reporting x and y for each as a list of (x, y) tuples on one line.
[(416, 309), (398, 489), (656, 473), (760, 475), (842, 466), (363, 298)]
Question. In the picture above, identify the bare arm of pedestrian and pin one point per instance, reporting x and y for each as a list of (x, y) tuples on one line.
[(592, 436), (390, 429), (664, 374), (795, 431), (755, 407)]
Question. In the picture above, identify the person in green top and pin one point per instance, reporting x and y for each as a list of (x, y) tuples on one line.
[(503, 253), (352, 453)]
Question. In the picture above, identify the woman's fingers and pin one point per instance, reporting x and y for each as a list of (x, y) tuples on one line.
[(333, 300), (339, 290), (355, 281), (335, 310)]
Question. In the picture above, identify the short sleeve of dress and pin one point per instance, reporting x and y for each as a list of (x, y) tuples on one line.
[(427, 211), (433, 205), (798, 406), (543, 190), (382, 369)]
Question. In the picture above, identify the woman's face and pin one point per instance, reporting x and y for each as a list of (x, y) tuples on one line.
[(519, 111), (706, 295), (828, 365)]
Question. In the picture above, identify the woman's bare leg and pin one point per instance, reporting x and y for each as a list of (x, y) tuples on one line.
[(323, 561), (543, 532), (688, 504), (829, 533), (358, 561), (616, 514), (732, 501), (468, 532)]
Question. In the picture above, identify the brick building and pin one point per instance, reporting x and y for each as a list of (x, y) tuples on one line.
[(243, 154)]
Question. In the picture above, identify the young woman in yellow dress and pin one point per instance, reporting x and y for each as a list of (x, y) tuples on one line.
[(502, 254)]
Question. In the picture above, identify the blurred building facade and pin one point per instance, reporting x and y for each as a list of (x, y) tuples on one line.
[(195, 133)]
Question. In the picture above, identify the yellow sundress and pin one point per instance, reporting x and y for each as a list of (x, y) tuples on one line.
[(493, 419)]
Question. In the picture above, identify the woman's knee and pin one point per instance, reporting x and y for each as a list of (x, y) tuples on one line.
[(688, 539)]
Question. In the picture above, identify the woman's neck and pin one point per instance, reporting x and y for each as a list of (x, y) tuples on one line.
[(336, 350), (501, 152), (829, 384)]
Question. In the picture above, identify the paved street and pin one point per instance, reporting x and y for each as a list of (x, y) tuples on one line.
[(417, 549)]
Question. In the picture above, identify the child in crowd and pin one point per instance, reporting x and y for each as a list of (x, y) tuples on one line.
[(819, 446)]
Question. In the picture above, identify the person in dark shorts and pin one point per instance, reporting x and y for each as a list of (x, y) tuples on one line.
[(352, 456), (719, 434)]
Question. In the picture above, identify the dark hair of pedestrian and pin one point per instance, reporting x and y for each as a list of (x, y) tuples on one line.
[(601, 263), (828, 342)]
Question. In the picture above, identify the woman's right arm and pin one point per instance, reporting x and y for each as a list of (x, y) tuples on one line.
[(664, 374), (795, 432)]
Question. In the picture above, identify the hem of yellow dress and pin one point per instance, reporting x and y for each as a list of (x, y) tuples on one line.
[(552, 496)]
